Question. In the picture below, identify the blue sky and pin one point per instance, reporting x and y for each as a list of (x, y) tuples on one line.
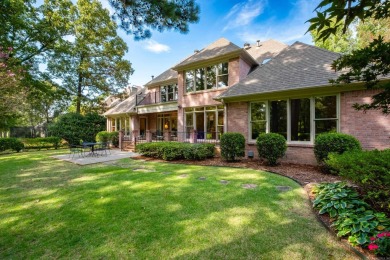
[(238, 21)]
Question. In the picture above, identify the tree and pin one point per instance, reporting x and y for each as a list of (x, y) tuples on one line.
[(92, 63), (30, 31), (339, 42), (139, 16), (367, 64)]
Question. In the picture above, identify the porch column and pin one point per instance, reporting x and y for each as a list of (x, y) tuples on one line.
[(121, 139), (193, 136), (167, 135), (148, 136), (134, 136)]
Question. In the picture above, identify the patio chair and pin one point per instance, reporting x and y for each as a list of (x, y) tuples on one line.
[(102, 149), (76, 149)]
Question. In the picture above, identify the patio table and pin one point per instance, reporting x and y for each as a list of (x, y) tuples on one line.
[(92, 146)]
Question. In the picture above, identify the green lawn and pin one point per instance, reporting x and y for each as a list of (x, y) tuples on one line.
[(138, 210)]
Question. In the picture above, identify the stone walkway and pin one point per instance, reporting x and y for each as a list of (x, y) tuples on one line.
[(77, 159)]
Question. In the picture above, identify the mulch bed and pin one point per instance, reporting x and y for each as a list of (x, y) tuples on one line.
[(305, 175)]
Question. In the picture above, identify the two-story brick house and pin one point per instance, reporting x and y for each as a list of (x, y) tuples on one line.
[(265, 87)]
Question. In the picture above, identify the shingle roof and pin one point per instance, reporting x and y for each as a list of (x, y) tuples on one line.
[(169, 74), (267, 49), (126, 106), (218, 48), (296, 67)]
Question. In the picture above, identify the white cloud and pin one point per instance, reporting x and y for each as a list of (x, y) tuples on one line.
[(243, 13), (290, 29), (153, 46)]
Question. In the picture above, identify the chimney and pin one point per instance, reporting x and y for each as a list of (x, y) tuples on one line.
[(258, 43), (247, 45)]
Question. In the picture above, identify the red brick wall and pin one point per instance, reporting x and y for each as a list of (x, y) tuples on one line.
[(372, 129), (244, 69)]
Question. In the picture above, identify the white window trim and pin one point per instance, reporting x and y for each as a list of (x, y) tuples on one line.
[(205, 89), (312, 118)]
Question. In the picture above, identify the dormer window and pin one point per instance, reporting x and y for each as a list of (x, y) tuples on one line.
[(211, 77), (168, 93)]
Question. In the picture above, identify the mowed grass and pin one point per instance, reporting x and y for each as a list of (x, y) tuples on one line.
[(141, 210)]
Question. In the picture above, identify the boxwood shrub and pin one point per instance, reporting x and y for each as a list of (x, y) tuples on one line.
[(333, 143), (42, 142), (114, 136), (170, 151), (232, 146), (370, 170), (103, 136), (11, 144), (271, 146)]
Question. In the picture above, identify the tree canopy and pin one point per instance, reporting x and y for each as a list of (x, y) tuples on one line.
[(138, 17), (370, 63), (93, 61)]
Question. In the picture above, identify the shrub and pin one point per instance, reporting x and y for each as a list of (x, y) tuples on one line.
[(271, 146), (74, 127), (175, 151), (41, 142), (103, 136), (333, 143), (11, 144), (353, 218), (115, 138), (336, 198), (232, 146), (369, 169)]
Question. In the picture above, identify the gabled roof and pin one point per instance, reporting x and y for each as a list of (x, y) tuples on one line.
[(220, 48), (296, 67), (124, 107), (167, 75), (267, 49)]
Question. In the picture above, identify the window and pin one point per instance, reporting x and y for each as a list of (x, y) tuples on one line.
[(199, 79), (168, 93), (298, 120), (278, 117), (208, 121), (211, 77), (189, 80), (325, 114), (222, 76), (258, 121)]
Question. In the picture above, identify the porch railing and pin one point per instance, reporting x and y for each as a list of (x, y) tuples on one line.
[(150, 98), (172, 136)]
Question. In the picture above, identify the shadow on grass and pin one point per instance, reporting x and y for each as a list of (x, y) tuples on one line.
[(55, 210)]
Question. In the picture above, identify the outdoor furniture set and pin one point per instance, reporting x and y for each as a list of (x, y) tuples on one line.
[(90, 149)]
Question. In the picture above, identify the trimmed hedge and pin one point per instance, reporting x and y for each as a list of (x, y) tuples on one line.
[(41, 142), (232, 146), (103, 136), (170, 151), (271, 146), (115, 138), (370, 170), (11, 144), (333, 143)]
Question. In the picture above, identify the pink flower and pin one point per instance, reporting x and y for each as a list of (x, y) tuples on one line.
[(372, 238), (381, 234), (372, 247)]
